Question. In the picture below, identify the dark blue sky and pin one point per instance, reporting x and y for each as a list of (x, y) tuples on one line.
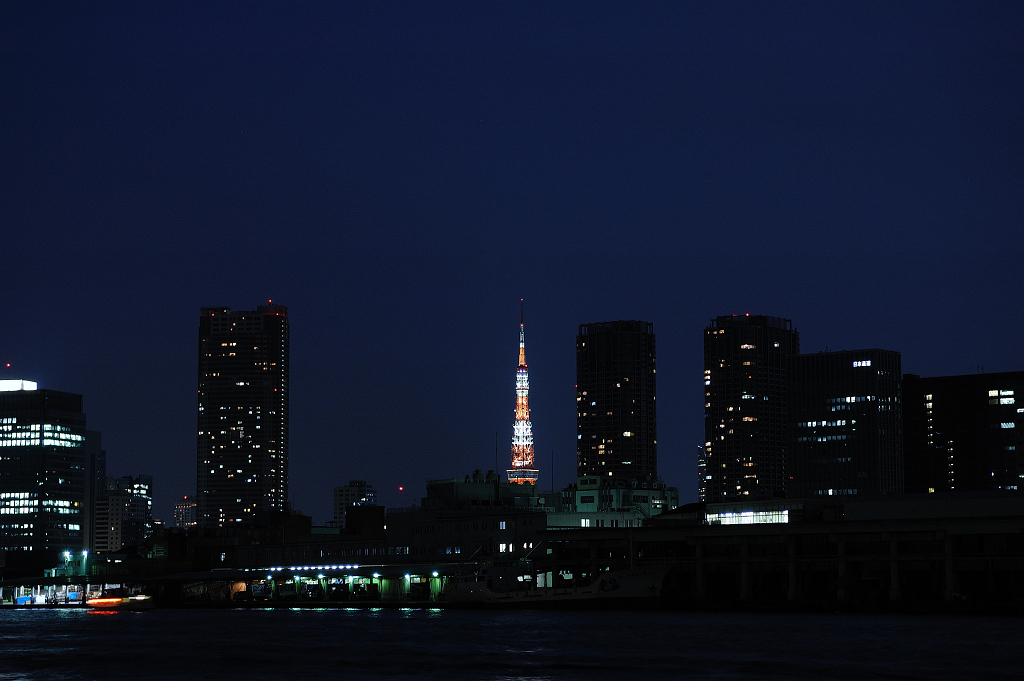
[(400, 175)]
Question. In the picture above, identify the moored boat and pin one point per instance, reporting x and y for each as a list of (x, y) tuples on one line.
[(138, 602)]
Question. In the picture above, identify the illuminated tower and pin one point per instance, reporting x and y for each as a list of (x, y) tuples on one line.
[(522, 470)]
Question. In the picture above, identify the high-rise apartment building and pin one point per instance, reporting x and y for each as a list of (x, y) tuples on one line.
[(357, 493), (242, 454), (616, 423), (48, 464), (745, 407), (964, 433), (845, 423)]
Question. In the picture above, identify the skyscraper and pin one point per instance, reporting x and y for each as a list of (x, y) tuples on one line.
[(845, 423), (745, 407), (616, 424), (242, 453), (523, 470), (48, 463)]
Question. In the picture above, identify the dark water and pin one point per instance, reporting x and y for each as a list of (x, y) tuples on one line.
[(419, 644)]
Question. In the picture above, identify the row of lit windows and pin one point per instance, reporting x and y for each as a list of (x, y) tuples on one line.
[(814, 424), (748, 517), (45, 442)]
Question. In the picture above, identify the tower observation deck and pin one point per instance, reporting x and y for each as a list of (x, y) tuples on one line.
[(522, 471)]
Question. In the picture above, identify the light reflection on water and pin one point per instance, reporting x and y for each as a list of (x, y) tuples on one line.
[(413, 644)]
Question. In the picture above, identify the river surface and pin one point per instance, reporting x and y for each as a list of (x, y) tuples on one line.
[(436, 644)]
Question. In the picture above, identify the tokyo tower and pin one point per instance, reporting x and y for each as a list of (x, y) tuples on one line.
[(522, 471)]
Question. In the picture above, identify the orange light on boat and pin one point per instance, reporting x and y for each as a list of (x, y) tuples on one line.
[(103, 601)]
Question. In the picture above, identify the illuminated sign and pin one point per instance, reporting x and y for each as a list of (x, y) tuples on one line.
[(8, 385)]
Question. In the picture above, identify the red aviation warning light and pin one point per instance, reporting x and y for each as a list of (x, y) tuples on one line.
[(522, 471)]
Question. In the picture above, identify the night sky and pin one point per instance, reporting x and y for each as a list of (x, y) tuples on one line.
[(400, 174)]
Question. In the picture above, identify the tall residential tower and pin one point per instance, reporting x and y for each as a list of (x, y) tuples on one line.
[(616, 426), (745, 407), (242, 454)]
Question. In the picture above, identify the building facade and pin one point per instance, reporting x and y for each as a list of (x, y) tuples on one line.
[(124, 515), (242, 453), (745, 407), (185, 512), (357, 493), (964, 433), (48, 464), (845, 423), (616, 419)]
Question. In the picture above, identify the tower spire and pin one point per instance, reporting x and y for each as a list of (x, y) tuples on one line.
[(522, 471), (522, 340)]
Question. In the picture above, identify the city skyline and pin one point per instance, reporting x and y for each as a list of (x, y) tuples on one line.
[(172, 498), (399, 178)]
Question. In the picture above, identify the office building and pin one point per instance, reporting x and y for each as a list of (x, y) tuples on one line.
[(124, 515), (616, 423), (185, 512), (48, 464), (845, 423), (964, 433), (745, 408), (242, 453), (357, 493)]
